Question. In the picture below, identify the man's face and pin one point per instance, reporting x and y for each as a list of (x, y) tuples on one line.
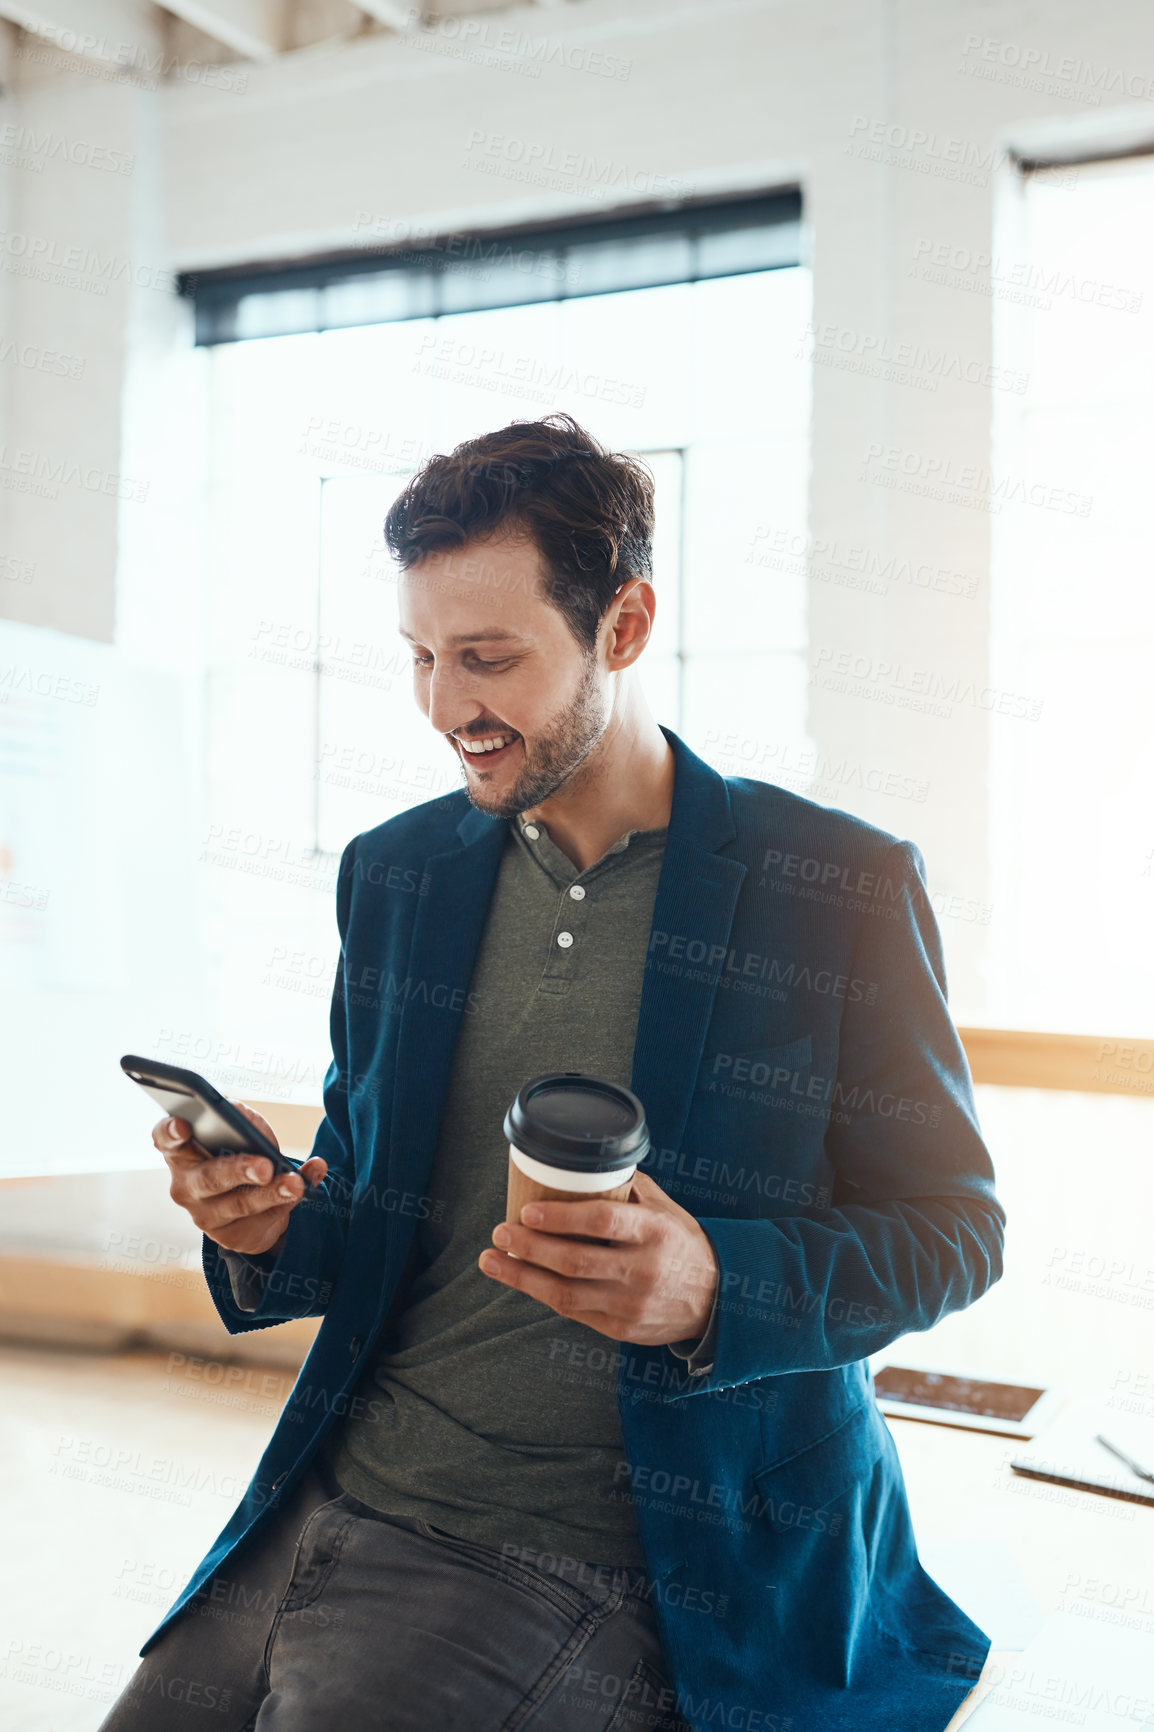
[(494, 662)]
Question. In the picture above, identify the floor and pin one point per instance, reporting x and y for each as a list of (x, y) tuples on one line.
[(138, 1461), (122, 1469)]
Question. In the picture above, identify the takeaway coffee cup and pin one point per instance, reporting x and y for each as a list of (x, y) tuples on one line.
[(572, 1137)]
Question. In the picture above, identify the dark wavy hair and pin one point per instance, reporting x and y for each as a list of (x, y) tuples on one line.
[(589, 511)]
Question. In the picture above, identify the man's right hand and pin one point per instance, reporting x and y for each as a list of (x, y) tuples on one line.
[(234, 1199)]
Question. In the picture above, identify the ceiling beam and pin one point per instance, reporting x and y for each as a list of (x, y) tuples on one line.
[(395, 13), (253, 29), (113, 31)]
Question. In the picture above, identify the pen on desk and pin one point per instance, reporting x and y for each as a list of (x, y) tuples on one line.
[(1142, 1472)]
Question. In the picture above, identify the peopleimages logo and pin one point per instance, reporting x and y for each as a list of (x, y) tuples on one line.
[(26, 471), (1033, 68), (923, 150), (18, 681), (532, 376), (371, 988), (38, 360), (505, 48), (123, 62), (901, 361), (526, 158), (729, 1068), (927, 689), (751, 963), (1038, 284), (416, 243), (84, 262), (851, 564), (938, 477), (42, 147), (845, 886)]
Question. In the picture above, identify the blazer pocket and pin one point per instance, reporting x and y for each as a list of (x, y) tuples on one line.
[(755, 1069), (794, 1055), (796, 1492)]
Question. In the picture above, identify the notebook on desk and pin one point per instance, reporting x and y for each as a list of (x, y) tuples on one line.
[(1068, 1452)]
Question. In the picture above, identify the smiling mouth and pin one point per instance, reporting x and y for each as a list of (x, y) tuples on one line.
[(487, 749)]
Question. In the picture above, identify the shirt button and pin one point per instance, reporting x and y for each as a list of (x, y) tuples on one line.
[(532, 832), (577, 892), (564, 939)]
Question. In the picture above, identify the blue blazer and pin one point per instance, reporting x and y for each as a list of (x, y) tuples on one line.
[(810, 1104)]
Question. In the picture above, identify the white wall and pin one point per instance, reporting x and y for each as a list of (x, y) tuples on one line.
[(322, 149), (68, 245), (307, 153)]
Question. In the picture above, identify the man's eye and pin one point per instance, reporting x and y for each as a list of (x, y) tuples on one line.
[(478, 661)]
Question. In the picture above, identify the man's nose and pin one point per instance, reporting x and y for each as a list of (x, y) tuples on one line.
[(450, 703)]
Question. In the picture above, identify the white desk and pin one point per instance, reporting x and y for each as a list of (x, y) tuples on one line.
[(1070, 1545)]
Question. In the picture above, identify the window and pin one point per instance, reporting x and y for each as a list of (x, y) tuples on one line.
[(414, 275), (1073, 609), (314, 732)]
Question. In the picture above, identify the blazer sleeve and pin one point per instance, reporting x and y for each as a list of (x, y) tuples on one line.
[(255, 1292), (914, 1230)]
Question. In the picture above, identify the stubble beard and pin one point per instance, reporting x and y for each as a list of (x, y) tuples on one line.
[(557, 757)]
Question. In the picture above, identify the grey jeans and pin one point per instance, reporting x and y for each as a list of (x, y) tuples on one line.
[(337, 1619)]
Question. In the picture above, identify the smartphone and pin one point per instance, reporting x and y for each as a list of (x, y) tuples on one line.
[(1008, 1409), (216, 1124)]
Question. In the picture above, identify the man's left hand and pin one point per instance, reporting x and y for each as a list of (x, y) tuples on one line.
[(654, 1283)]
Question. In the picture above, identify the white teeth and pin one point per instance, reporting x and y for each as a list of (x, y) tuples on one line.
[(492, 744)]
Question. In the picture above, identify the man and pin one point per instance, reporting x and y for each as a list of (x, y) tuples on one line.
[(623, 1467)]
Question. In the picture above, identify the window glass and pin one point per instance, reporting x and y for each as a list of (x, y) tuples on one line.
[(1072, 628), (313, 731)]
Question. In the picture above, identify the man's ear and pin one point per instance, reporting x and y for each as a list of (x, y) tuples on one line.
[(641, 618)]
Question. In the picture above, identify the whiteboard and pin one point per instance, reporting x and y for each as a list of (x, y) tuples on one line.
[(100, 822)]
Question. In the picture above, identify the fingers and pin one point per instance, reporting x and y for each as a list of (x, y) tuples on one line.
[(552, 1290), (182, 1153), (214, 1214), (220, 1191), (173, 1137), (257, 1119), (171, 1134), (599, 1218), (262, 1234), (578, 1259), (219, 1173)]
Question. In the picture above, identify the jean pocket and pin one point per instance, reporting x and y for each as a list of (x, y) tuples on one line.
[(512, 1568), (647, 1704)]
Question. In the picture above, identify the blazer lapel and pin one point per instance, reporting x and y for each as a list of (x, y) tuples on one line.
[(693, 912), (447, 932)]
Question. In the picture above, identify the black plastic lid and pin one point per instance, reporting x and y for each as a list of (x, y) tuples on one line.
[(572, 1120)]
